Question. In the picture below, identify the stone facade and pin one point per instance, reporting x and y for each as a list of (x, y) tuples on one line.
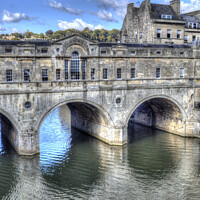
[(103, 84), (159, 24)]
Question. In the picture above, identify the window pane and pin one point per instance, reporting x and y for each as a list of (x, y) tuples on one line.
[(83, 69), (92, 74), (182, 73), (66, 70), (75, 66), (119, 73), (178, 34), (45, 75), (26, 75), (158, 33), (132, 73), (157, 72), (57, 74), (105, 73), (9, 75)]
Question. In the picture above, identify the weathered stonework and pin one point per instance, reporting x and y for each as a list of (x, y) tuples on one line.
[(101, 106), (141, 24)]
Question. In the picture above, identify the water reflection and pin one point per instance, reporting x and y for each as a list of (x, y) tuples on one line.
[(72, 165)]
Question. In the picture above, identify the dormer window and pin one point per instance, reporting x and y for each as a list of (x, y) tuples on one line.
[(164, 16), (192, 25)]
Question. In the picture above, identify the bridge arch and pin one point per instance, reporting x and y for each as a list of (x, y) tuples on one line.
[(87, 113), (10, 128), (159, 111), (16, 125)]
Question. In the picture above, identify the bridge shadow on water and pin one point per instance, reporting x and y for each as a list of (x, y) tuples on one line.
[(73, 165)]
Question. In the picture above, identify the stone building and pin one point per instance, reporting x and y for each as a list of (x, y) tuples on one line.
[(103, 84), (160, 24)]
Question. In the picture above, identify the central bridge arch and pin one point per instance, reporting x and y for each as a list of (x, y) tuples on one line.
[(161, 112), (88, 117)]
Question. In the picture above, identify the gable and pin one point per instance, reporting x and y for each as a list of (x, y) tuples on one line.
[(66, 45)]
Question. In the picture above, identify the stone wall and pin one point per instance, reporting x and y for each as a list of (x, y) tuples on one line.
[(162, 114)]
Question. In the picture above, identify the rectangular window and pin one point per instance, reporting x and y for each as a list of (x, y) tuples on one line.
[(133, 53), (75, 69), (9, 75), (105, 73), (44, 74), (136, 35), (103, 52), (119, 73), (169, 33), (140, 35), (163, 16), (58, 74), (189, 25), (193, 37), (181, 72), (27, 75), (186, 38), (158, 33), (8, 50), (92, 74), (83, 69), (44, 51), (166, 16), (158, 52), (66, 70), (132, 73), (178, 34), (169, 17), (157, 72)]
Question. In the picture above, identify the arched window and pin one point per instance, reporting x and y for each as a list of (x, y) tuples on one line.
[(75, 66)]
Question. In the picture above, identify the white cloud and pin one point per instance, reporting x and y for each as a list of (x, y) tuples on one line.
[(119, 6), (99, 27), (104, 15), (15, 17), (192, 5), (56, 5), (78, 24)]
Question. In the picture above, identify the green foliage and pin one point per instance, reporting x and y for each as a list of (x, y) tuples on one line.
[(15, 38), (96, 35)]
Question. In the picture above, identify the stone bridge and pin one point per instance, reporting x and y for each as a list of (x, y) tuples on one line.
[(100, 106)]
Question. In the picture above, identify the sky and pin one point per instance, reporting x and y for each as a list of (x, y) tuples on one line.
[(38, 16)]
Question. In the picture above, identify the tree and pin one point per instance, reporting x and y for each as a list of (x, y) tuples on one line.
[(41, 35), (49, 33), (28, 34)]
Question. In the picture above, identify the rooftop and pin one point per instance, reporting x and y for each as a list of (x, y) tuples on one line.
[(158, 9)]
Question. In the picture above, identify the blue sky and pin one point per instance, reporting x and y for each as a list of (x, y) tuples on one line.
[(42, 15)]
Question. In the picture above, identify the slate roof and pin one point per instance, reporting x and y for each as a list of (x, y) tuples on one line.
[(190, 18), (158, 9), (23, 42)]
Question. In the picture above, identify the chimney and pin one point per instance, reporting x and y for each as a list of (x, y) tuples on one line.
[(130, 7), (175, 4)]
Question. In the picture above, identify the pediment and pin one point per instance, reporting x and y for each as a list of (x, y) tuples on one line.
[(77, 39), (74, 43)]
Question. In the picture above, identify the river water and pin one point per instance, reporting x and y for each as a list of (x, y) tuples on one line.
[(72, 165)]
